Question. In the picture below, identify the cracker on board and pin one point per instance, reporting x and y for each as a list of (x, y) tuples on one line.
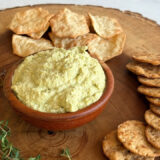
[(25, 46), (154, 100), (60, 42), (38, 35), (152, 119), (30, 21), (106, 49), (66, 43), (152, 82), (88, 20), (149, 91), (153, 136), (132, 135), (84, 40), (147, 57), (114, 150), (105, 27), (155, 109), (68, 24), (144, 69)]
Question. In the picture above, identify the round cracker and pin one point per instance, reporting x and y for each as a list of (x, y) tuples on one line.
[(152, 82), (154, 100), (153, 136), (25, 22), (105, 27), (152, 58), (114, 150), (68, 24), (144, 69), (152, 119), (132, 135), (149, 91), (155, 109)]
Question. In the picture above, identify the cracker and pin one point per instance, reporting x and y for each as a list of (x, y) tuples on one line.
[(152, 119), (152, 58), (106, 49), (66, 43), (67, 24), (88, 20), (132, 135), (25, 46), (155, 101), (114, 150), (153, 82), (149, 91), (38, 35), (153, 136), (30, 21), (155, 109), (144, 69), (105, 27), (60, 42), (84, 40)]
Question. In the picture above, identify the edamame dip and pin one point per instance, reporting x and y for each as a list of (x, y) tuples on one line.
[(59, 80)]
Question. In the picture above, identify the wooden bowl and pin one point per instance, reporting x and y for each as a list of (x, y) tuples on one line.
[(62, 121)]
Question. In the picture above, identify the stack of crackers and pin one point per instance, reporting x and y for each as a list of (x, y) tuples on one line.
[(103, 35), (148, 70), (132, 141), (147, 67)]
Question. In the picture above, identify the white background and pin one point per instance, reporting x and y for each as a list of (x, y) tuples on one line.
[(148, 8)]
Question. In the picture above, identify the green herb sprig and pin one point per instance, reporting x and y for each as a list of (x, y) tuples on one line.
[(66, 153), (7, 150)]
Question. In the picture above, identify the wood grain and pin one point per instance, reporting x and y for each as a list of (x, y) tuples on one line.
[(125, 103)]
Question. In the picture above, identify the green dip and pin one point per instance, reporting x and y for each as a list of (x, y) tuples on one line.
[(59, 80)]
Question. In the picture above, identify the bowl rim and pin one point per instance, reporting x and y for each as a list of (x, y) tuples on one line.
[(22, 108)]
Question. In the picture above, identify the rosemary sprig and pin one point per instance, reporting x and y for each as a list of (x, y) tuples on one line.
[(66, 153), (7, 150)]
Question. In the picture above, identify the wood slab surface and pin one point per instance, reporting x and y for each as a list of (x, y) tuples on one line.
[(84, 142)]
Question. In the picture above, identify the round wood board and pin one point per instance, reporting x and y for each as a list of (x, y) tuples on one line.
[(125, 103)]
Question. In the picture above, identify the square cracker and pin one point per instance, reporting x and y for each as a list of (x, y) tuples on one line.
[(38, 35), (25, 46), (106, 49), (60, 42), (105, 27), (67, 43), (68, 24), (83, 40), (30, 21)]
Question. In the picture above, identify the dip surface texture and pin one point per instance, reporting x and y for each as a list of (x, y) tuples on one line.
[(59, 80)]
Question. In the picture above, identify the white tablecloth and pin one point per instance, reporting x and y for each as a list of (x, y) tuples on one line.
[(148, 8)]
